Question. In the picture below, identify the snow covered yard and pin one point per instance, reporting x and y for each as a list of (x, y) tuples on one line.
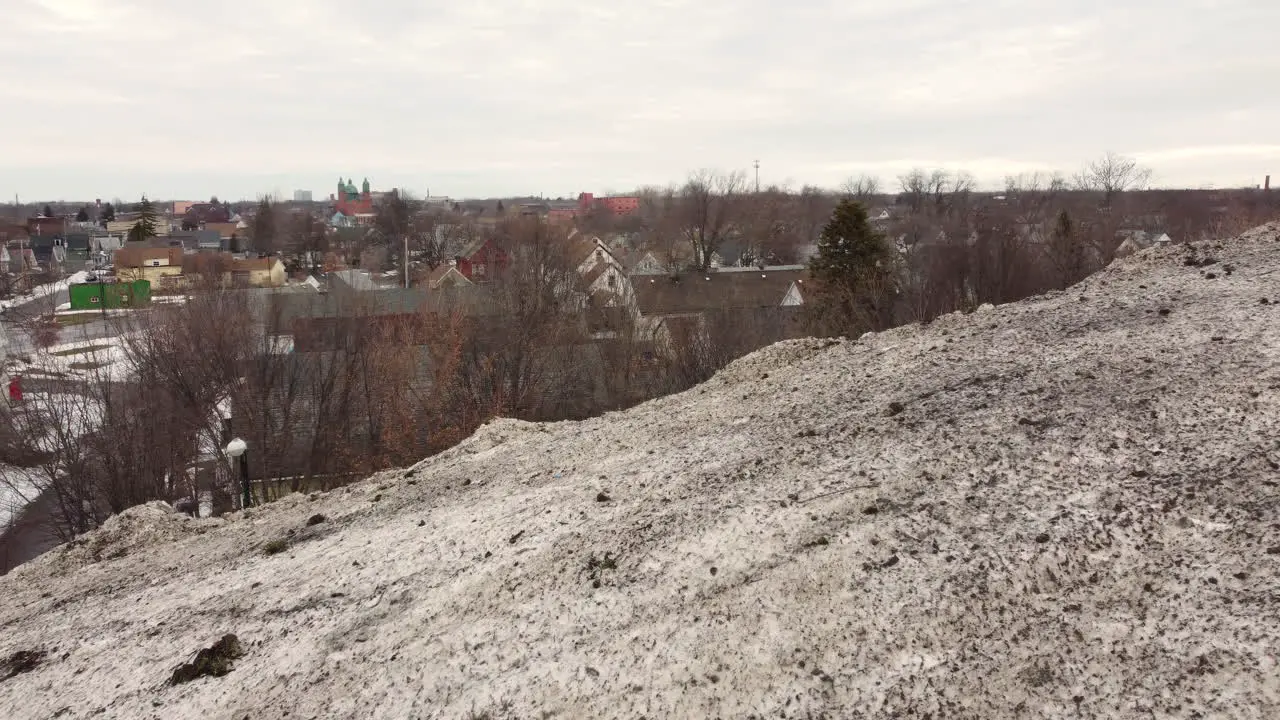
[(81, 358), (46, 290), (1065, 507), (18, 488)]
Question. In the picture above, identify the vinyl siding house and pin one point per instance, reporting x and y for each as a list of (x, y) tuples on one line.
[(257, 272), (155, 265)]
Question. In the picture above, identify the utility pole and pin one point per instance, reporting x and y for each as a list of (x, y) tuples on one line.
[(757, 165), (406, 261)]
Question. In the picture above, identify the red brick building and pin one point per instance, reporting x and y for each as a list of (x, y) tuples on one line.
[(618, 205), (349, 201)]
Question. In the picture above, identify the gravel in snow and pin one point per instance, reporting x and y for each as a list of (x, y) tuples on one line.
[(1065, 507)]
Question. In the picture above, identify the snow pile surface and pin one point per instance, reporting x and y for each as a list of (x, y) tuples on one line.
[(136, 529), (1066, 507)]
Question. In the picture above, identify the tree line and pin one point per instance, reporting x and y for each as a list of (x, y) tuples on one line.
[(383, 386)]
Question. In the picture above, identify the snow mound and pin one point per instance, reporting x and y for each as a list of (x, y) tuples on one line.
[(780, 356), (1059, 508), (126, 533)]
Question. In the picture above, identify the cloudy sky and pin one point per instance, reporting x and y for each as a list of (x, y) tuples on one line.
[(186, 98)]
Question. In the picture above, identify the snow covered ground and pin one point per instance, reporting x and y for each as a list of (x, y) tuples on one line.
[(1065, 508), (18, 487), (96, 357), (46, 290)]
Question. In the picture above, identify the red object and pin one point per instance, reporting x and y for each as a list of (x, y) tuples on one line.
[(620, 205), (15, 389), (482, 262)]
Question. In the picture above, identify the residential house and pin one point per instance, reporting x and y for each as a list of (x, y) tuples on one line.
[(648, 263), (482, 260), (751, 306), (265, 271), (602, 275), (226, 230), (122, 227), (445, 276), (198, 214), (1137, 240), (196, 240), (159, 266)]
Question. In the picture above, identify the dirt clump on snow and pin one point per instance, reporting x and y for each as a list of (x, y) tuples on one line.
[(214, 661), (21, 661), (1062, 507)]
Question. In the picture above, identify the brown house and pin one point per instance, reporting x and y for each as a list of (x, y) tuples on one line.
[(724, 289), (153, 264), (739, 309), (226, 230), (46, 226)]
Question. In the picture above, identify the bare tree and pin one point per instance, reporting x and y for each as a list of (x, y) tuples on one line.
[(1111, 175), (709, 206), (863, 188), (524, 361), (662, 233)]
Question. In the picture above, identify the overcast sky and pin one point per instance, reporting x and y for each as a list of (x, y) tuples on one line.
[(187, 99)]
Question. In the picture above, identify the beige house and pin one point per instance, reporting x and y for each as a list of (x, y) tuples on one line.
[(257, 272), (148, 263), (122, 227)]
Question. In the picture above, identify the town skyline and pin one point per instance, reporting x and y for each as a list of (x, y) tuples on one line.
[(888, 185), (561, 99)]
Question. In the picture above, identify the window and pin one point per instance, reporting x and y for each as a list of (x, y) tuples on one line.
[(95, 299), (613, 281), (478, 269)]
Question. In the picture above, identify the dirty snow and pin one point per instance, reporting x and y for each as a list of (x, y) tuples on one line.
[(19, 487), (45, 290), (103, 357), (1063, 508)]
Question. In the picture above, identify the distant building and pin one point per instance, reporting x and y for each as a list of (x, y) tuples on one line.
[(618, 205), (350, 201), (302, 196)]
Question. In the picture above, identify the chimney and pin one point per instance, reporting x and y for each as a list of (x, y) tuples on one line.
[(1266, 184)]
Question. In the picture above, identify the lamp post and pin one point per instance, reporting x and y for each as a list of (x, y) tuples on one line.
[(238, 448)]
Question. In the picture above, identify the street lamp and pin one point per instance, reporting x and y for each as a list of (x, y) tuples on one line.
[(237, 449)]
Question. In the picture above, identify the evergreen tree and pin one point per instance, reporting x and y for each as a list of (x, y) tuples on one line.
[(851, 270), (1067, 253), (264, 226), (48, 211), (145, 227), (500, 210), (83, 215), (108, 213)]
